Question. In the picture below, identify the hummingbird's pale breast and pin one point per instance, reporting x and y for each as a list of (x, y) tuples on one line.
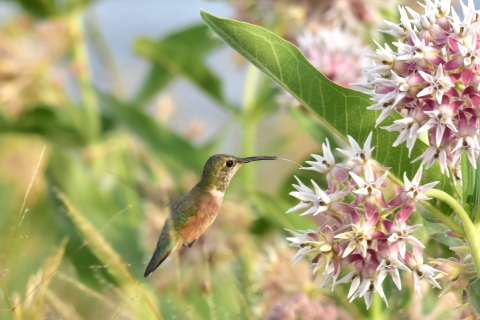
[(207, 210)]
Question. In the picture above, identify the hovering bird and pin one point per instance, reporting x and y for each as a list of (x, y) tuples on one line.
[(197, 210)]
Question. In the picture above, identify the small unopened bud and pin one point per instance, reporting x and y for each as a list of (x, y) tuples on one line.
[(461, 249), (452, 234)]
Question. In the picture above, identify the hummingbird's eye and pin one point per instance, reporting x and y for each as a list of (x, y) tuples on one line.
[(229, 163)]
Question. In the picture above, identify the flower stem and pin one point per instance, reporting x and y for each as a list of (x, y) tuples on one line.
[(81, 69), (472, 233), (376, 310)]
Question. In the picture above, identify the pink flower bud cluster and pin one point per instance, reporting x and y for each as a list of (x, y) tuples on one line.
[(432, 79), (330, 51), (365, 232)]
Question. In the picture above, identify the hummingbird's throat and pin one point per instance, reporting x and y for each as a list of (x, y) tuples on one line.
[(223, 179), (217, 194)]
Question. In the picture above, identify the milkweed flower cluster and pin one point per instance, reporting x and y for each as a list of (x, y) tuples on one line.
[(330, 51), (431, 77), (368, 231)]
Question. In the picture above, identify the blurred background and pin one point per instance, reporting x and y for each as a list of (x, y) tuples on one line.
[(108, 111)]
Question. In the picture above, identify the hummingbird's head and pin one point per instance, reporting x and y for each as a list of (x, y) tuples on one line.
[(220, 168)]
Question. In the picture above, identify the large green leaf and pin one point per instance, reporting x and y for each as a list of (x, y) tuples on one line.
[(342, 110), (176, 152), (180, 54)]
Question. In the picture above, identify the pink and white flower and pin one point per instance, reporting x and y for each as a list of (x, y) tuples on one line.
[(440, 68), (420, 270), (412, 192)]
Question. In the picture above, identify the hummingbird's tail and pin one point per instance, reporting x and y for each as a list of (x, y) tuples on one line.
[(162, 251)]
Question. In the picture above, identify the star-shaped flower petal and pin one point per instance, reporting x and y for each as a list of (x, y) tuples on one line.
[(439, 84), (407, 197)]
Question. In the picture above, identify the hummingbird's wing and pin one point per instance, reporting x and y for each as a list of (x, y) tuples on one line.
[(189, 219), (171, 236), (167, 243)]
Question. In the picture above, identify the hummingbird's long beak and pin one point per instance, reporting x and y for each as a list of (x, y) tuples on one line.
[(250, 159)]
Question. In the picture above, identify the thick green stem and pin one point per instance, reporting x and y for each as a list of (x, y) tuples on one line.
[(249, 126), (81, 69), (472, 233), (248, 149), (376, 310)]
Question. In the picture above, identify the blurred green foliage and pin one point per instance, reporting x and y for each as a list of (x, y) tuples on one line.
[(100, 193), (48, 9), (80, 219)]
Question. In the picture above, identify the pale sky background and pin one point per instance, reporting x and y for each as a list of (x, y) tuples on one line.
[(122, 21)]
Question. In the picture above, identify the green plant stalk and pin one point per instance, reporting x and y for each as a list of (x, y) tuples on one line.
[(81, 69), (476, 220), (376, 310), (249, 126), (248, 149), (472, 232)]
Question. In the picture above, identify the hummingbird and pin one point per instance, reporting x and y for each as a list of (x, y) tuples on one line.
[(197, 210)]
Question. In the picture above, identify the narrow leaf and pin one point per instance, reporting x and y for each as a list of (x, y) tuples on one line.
[(469, 186), (197, 40), (180, 54), (175, 151)]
